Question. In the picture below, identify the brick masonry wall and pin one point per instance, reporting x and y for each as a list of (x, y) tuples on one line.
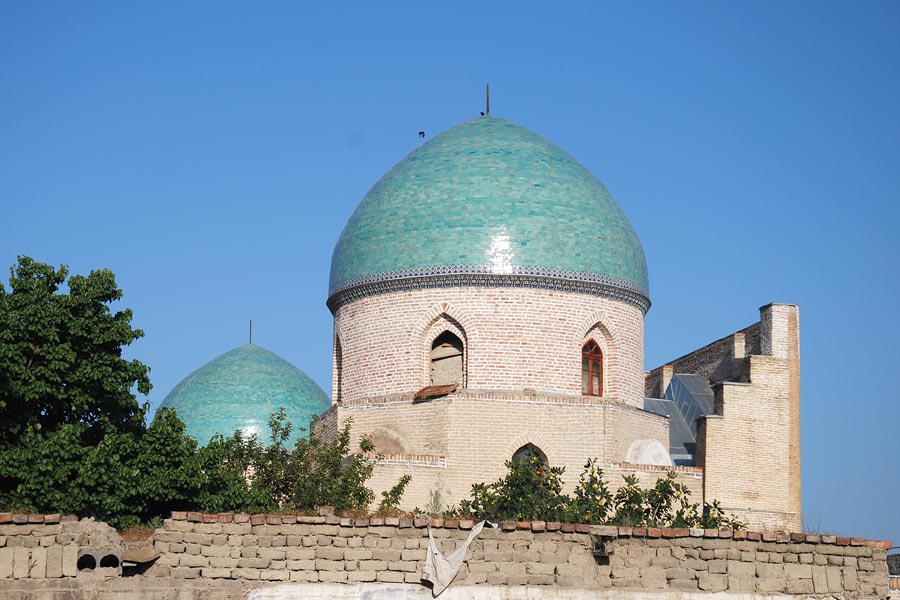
[(759, 422), (722, 360), (514, 339), (475, 433)]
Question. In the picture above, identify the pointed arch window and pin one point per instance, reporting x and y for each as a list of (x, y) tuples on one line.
[(447, 360), (528, 452), (591, 369)]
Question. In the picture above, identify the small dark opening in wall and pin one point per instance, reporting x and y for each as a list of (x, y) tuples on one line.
[(110, 560), (86, 563)]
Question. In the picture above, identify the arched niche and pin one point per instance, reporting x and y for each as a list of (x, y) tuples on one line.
[(447, 359)]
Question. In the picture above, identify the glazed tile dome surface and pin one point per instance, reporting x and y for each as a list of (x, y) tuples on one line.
[(491, 199), (239, 390)]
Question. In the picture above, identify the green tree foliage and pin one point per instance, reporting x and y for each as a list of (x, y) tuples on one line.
[(73, 437), (592, 501), (70, 424), (61, 355), (533, 491), (390, 499), (530, 491)]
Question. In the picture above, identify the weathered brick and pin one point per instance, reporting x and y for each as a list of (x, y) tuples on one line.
[(712, 583), (245, 573), (215, 573)]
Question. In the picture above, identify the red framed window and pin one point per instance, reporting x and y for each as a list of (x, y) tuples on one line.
[(591, 369)]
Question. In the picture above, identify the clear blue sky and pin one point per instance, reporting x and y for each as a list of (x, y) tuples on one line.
[(210, 154)]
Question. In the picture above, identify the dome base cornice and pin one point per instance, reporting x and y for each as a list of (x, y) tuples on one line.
[(487, 276)]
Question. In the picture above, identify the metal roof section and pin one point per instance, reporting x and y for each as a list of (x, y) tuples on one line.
[(687, 398), (682, 442), (693, 396)]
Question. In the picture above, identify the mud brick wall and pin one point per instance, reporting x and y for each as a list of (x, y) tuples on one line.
[(740, 562), (49, 546), (392, 550), (389, 550)]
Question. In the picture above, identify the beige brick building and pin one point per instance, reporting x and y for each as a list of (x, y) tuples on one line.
[(489, 298)]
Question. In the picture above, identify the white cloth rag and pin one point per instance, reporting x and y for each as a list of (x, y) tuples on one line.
[(439, 569)]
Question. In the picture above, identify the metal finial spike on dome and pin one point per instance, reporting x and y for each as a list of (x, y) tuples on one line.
[(487, 93), (251, 331)]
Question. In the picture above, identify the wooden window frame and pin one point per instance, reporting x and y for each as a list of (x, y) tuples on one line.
[(594, 367)]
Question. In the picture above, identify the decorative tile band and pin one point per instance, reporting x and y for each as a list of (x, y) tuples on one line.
[(486, 276), (418, 460)]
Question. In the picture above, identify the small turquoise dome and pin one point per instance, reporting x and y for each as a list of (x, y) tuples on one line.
[(240, 390), (489, 202)]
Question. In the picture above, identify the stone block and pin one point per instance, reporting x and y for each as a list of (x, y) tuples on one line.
[(241, 573), (299, 553), (373, 565), (679, 573), (216, 551), (361, 576), (52, 562), (389, 554), (70, 560), (389, 577), (554, 557), (833, 579), (271, 575), (215, 573), (332, 576), (797, 571), (683, 585), (742, 585), (719, 567), (193, 560), (223, 562), (185, 573), (330, 565), (272, 553), (357, 554), (412, 554), (329, 553), (851, 579), (236, 528), (404, 566), (198, 538), (301, 565), (304, 576), (536, 568), (738, 568), (6, 562), (799, 586), (483, 567), (712, 582)]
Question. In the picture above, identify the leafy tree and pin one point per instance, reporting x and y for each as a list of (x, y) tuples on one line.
[(530, 491), (69, 421), (325, 473), (592, 500), (61, 355), (390, 499)]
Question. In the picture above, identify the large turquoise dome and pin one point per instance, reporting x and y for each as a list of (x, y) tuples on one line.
[(239, 390), (489, 202)]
